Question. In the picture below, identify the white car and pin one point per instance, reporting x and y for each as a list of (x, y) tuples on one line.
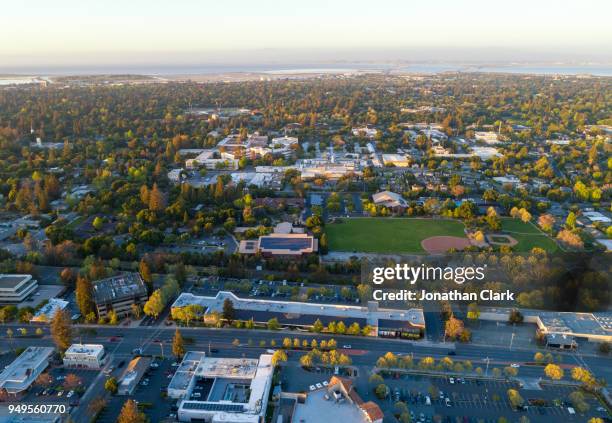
[(451, 381), (514, 365), (347, 347), (70, 394), (312, 387), (60, 393)]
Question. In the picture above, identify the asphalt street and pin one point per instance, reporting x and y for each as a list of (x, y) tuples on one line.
[(157, 340)]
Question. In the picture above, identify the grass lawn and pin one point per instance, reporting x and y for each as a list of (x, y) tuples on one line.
[(527, 235), (387, 235)]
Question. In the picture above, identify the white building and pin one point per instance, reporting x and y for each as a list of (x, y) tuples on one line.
[(304, 314), (132, 375), (397, 160), (485, 153), (389, 199), (284, 141), (435, 134), (23, 371), (487, 137), (90, 356), (253, 178), (175, 175), (330, 169), (595, 216), (212, 159), (16, 288), (216, 389), (46, 312), (510, 179)]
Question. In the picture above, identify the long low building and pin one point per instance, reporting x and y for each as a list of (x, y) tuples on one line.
[(564, 325), (214, 389), (279, 244), (23, 371), (386, 322), (134, 371)]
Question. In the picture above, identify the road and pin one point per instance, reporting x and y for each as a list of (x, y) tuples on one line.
[(157, 340)]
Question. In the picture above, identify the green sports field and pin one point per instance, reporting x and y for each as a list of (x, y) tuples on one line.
[(387, 235), (527, 235)]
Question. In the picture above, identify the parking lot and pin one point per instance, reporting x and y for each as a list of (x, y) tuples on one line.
[(451, 399), (150, 395)]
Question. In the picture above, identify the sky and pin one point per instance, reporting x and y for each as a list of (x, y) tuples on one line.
[(86, 32)]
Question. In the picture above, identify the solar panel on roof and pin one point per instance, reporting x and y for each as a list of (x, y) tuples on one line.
[(292, 244), (198, 405)]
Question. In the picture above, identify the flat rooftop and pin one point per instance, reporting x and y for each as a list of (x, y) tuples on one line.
[(183, 375), (20, 374), (317, 406), (85, 349), (566, 322), (46, 312), (238, 368), (240, 387), (576, 323), (226, 389), (11, 281), (117, 287), (295, 309), (275, 242)]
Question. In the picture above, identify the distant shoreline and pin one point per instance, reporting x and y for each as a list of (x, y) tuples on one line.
[(271, 72)]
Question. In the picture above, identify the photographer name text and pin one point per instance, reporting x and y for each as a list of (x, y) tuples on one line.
[(423, 295)]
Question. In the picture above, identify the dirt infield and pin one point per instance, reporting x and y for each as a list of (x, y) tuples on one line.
[(441, 244), (501, 239)]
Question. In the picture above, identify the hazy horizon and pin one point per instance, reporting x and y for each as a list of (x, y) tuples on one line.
[(70, 33)]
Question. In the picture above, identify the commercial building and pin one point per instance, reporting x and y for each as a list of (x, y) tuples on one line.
[(338, 401), (134, 371), (23, 371), (487, 137), (89, 356), (45, 313), (213, 159), (16, 288), (397, 160), (258, 179), (385, 322), (564, 325), (592, 327), (213, 389), (119, 293), (328, 168), (278, 244), (389, 199)]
